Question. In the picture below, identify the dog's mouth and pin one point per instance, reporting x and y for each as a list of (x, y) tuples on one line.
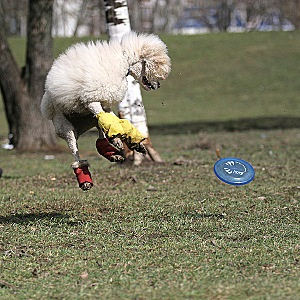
[(148, 85)]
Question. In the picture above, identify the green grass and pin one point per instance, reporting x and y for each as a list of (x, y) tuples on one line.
[(226, 76), (170, 231), (173, 230)]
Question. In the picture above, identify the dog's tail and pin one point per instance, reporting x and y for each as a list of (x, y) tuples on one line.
[(47, 106)]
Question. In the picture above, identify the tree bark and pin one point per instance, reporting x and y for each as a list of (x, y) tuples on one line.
[(132, 107), (11, 85), (81, 16), (22, 93), (224, 15)]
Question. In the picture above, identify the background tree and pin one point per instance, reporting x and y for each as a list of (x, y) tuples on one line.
[(15, 16), (86, 17), (132, 107), (224, 9), (22, 90)]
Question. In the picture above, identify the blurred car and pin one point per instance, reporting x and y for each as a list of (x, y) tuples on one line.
[(286, 25), (190, 26), (274, 23), (236, 25)]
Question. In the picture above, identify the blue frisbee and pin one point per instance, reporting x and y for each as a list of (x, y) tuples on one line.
[(234, 171)]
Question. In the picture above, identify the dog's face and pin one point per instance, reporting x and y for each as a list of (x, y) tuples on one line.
[(148, 73), (149, 62)]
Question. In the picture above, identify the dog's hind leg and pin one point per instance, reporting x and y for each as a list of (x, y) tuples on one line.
[(65, 130)]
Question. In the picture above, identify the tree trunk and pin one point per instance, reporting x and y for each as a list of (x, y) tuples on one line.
[(224, 15), (132, 107), (10, 84), (22, 94), (81, 16)]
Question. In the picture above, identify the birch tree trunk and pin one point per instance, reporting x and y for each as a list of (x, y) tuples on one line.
[(132, 107)]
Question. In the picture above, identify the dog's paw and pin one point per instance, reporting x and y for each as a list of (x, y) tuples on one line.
[(116, 158), (86, 186), (109, 151), (83, 175), (117, 142), (139, 147)]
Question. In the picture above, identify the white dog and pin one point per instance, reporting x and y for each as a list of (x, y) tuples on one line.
[(87, 80)]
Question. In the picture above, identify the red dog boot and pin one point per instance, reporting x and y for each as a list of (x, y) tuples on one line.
[(108, 151), (83, 175)]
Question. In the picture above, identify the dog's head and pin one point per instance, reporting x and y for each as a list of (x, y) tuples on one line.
[(148, 58)]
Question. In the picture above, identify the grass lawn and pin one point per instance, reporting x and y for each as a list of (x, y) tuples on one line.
[(172, 230)]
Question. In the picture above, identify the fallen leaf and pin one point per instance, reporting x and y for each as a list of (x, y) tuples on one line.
[(151, 188), (84, 275), (214, 243)]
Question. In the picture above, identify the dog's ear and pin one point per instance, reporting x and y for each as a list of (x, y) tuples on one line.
[(155, 53), (151, 46), (135, 70), (147, 47)]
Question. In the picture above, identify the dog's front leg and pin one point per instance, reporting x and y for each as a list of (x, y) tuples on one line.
[(115, 127), (110, 149)]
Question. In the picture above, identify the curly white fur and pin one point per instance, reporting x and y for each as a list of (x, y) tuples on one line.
[(96, 72)]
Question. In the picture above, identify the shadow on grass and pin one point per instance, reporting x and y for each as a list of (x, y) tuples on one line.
[(52, 217), (266, 123), (8, 177)]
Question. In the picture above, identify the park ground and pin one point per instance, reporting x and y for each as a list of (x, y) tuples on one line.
[(170, 230)]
